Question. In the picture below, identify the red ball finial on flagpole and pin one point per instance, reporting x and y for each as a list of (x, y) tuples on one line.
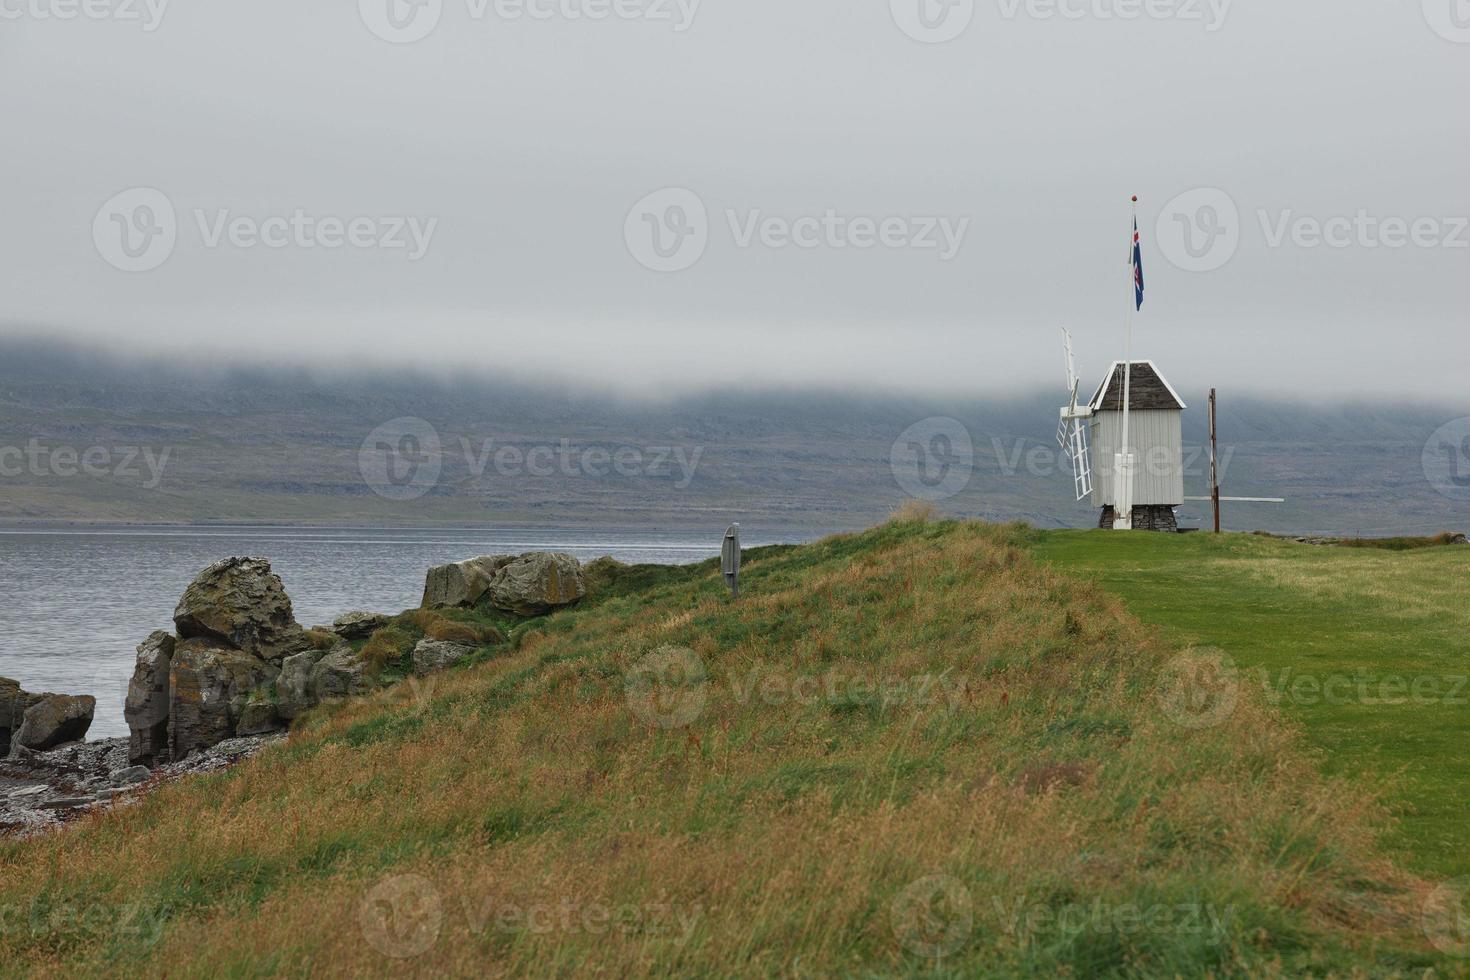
[(1135, 198)]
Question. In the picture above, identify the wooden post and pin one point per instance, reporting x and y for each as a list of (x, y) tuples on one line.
[(1214, 470)]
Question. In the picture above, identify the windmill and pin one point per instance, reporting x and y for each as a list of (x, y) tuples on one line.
[(1072, 430)]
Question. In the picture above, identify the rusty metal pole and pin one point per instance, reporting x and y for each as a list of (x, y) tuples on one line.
[(1214, 471)]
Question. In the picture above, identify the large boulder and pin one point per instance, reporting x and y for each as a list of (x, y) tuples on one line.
[(209, 688), (339, 674), (13, 705), (431, 656), (55, 720), (294, 693), (147, 706), (462, 583), (242, 603), (537, 583)]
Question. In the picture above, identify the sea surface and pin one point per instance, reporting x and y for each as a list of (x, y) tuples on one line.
[(75, 602)]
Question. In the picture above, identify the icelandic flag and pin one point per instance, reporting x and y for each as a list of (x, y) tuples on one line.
[(1137, 266)]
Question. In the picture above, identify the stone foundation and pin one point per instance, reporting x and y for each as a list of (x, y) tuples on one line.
[(1146, 517)]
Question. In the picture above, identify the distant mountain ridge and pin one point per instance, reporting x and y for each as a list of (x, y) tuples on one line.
[(246, 445)]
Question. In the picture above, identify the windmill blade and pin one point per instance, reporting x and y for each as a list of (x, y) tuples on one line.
[(1081, 460)]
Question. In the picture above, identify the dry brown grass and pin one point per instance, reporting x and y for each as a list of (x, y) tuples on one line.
[(769, 836), (322, 639), (914, 511)]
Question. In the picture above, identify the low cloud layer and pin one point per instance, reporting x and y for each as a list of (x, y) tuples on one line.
[(661, 196)]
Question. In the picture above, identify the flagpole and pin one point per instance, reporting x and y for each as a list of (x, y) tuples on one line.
[(1124, 521)]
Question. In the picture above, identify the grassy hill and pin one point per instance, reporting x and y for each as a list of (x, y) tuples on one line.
[(913, 751), (1368, 650)]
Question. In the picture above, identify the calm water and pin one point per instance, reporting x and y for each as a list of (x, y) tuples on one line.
[(75, 603)]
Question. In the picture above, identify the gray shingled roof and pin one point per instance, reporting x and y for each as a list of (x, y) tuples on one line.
[(1147, 389)]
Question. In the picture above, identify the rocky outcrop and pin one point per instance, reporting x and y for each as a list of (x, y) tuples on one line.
[(210, 685), (462, 583), (528, 585), (13, 705), (147, 706), (535, 584), (359, 625), (431, 656), (43, 790), (339, 674), (240, 666), (294, 691), (241, 603), (37, 722), (54, 720)]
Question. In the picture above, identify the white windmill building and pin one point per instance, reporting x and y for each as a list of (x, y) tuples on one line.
[(1154, 423)]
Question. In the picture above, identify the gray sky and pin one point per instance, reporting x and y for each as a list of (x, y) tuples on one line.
[(519, 147)]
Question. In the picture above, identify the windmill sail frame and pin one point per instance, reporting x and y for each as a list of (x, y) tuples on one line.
[(1072, 430)]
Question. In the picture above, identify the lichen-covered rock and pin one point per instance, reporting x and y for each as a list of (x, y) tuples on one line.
[(258, 716), (13, 705), (431, 656), (294, 693), (339, 674), (131, 776), (359, 625), (537, 583), (55, 720), (209, 687), (242, 603), (147, 706), (462, 583)]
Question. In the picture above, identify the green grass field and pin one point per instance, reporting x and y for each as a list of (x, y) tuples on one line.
[(1369, 650), (916, 751)]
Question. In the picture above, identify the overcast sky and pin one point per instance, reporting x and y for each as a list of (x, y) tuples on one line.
[(964, 172)]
